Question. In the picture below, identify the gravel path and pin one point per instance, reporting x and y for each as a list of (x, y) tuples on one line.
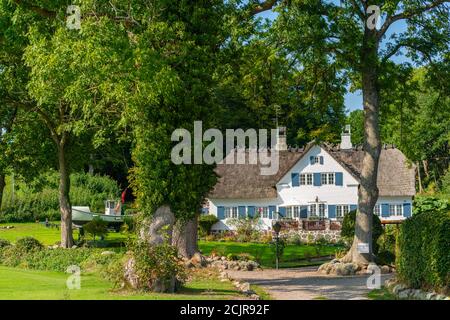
[(306, 283)]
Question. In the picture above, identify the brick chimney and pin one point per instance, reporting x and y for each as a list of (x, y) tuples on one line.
[(346, 141)]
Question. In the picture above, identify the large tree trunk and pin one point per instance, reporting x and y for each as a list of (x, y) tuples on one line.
[(368, 190), (2, 188), (64, 200), (185, 237)]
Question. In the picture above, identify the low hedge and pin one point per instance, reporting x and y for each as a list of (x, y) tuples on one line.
[(423, 258)]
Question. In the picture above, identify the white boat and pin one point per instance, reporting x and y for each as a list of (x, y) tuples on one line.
[(82, 215)]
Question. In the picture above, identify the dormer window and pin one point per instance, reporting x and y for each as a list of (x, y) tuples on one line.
[(316, 160)]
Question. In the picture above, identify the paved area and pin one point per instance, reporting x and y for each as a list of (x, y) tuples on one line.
[(307, 283)]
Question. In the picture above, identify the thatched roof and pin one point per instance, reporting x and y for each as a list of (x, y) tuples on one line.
[(244, 181)]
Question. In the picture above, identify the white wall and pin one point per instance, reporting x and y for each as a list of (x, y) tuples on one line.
[(330, 194)]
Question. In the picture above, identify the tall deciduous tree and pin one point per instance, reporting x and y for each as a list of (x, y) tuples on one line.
[(347, 34)]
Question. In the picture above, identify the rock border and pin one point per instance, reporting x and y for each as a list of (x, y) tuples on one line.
[(403, 292), (243, 287), (336, 267)]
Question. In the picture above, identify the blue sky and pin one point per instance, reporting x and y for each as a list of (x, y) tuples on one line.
[(353, 101)]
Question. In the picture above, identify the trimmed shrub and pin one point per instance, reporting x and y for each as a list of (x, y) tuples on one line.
[(4, 243), (96, 227), (423, 257), (205, 222), (348, 229), (28, 244), (430, 204)]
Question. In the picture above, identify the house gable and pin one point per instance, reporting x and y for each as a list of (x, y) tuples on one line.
[(326, 164)]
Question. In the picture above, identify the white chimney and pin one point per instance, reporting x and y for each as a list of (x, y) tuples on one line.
[(281, 139), (346, 141)]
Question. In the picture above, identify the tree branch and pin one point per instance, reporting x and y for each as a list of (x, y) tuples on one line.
[(261, 7), (408, 14), (360, 12), (41, 11)]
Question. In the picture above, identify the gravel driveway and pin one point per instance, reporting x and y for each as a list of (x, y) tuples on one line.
[(306, 283)]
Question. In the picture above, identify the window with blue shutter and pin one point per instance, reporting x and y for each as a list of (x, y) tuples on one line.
[(241, 210), (251, 211), (282, 212), (321, 160), (331, 211), (271, 211), (220, 213), (295, 179), (317, 179), (339, 179), (353, 207), (385, 210), (303, 212), (407, 210)]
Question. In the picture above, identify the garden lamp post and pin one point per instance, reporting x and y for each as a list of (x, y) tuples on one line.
[(276, 228)]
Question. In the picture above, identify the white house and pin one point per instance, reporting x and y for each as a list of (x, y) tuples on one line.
[(319, 181)]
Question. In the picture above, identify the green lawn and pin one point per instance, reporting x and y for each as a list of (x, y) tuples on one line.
[(47, 236), (294, 255), (18, 283), (381, 294)]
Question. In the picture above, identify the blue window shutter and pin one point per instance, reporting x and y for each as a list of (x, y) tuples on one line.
[(385, 210), (220, 213), (271, 211), (311, 159), (353, 207), (251, 211), (317, 181), (321, 160), (303, 212), (331, 211), (282, 211), (295, 179), (241, 210), (339, 179), (407, 210)]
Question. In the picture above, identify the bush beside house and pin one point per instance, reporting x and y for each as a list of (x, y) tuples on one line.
[(423, 259)]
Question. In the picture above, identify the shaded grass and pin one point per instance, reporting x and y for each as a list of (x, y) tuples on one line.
[(18, 283)]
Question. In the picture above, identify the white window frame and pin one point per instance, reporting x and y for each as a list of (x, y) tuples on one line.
[(289, 212), (331, 179), (395, 210), (313, 210), (264, 212), (321, 210), (324, 178), (296, 212), (309, 179), (377, 210), (303, 179), (316, 159), (342, 210)]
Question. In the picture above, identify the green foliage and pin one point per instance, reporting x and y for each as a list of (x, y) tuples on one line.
[(387, 245), (348, 229), (96, 227), (156, 263), (57, 259), (423, 259), (39, 199), (205, 222), (246, 229), (278, 249), (28, 244), (430, 204), (4, 243)]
